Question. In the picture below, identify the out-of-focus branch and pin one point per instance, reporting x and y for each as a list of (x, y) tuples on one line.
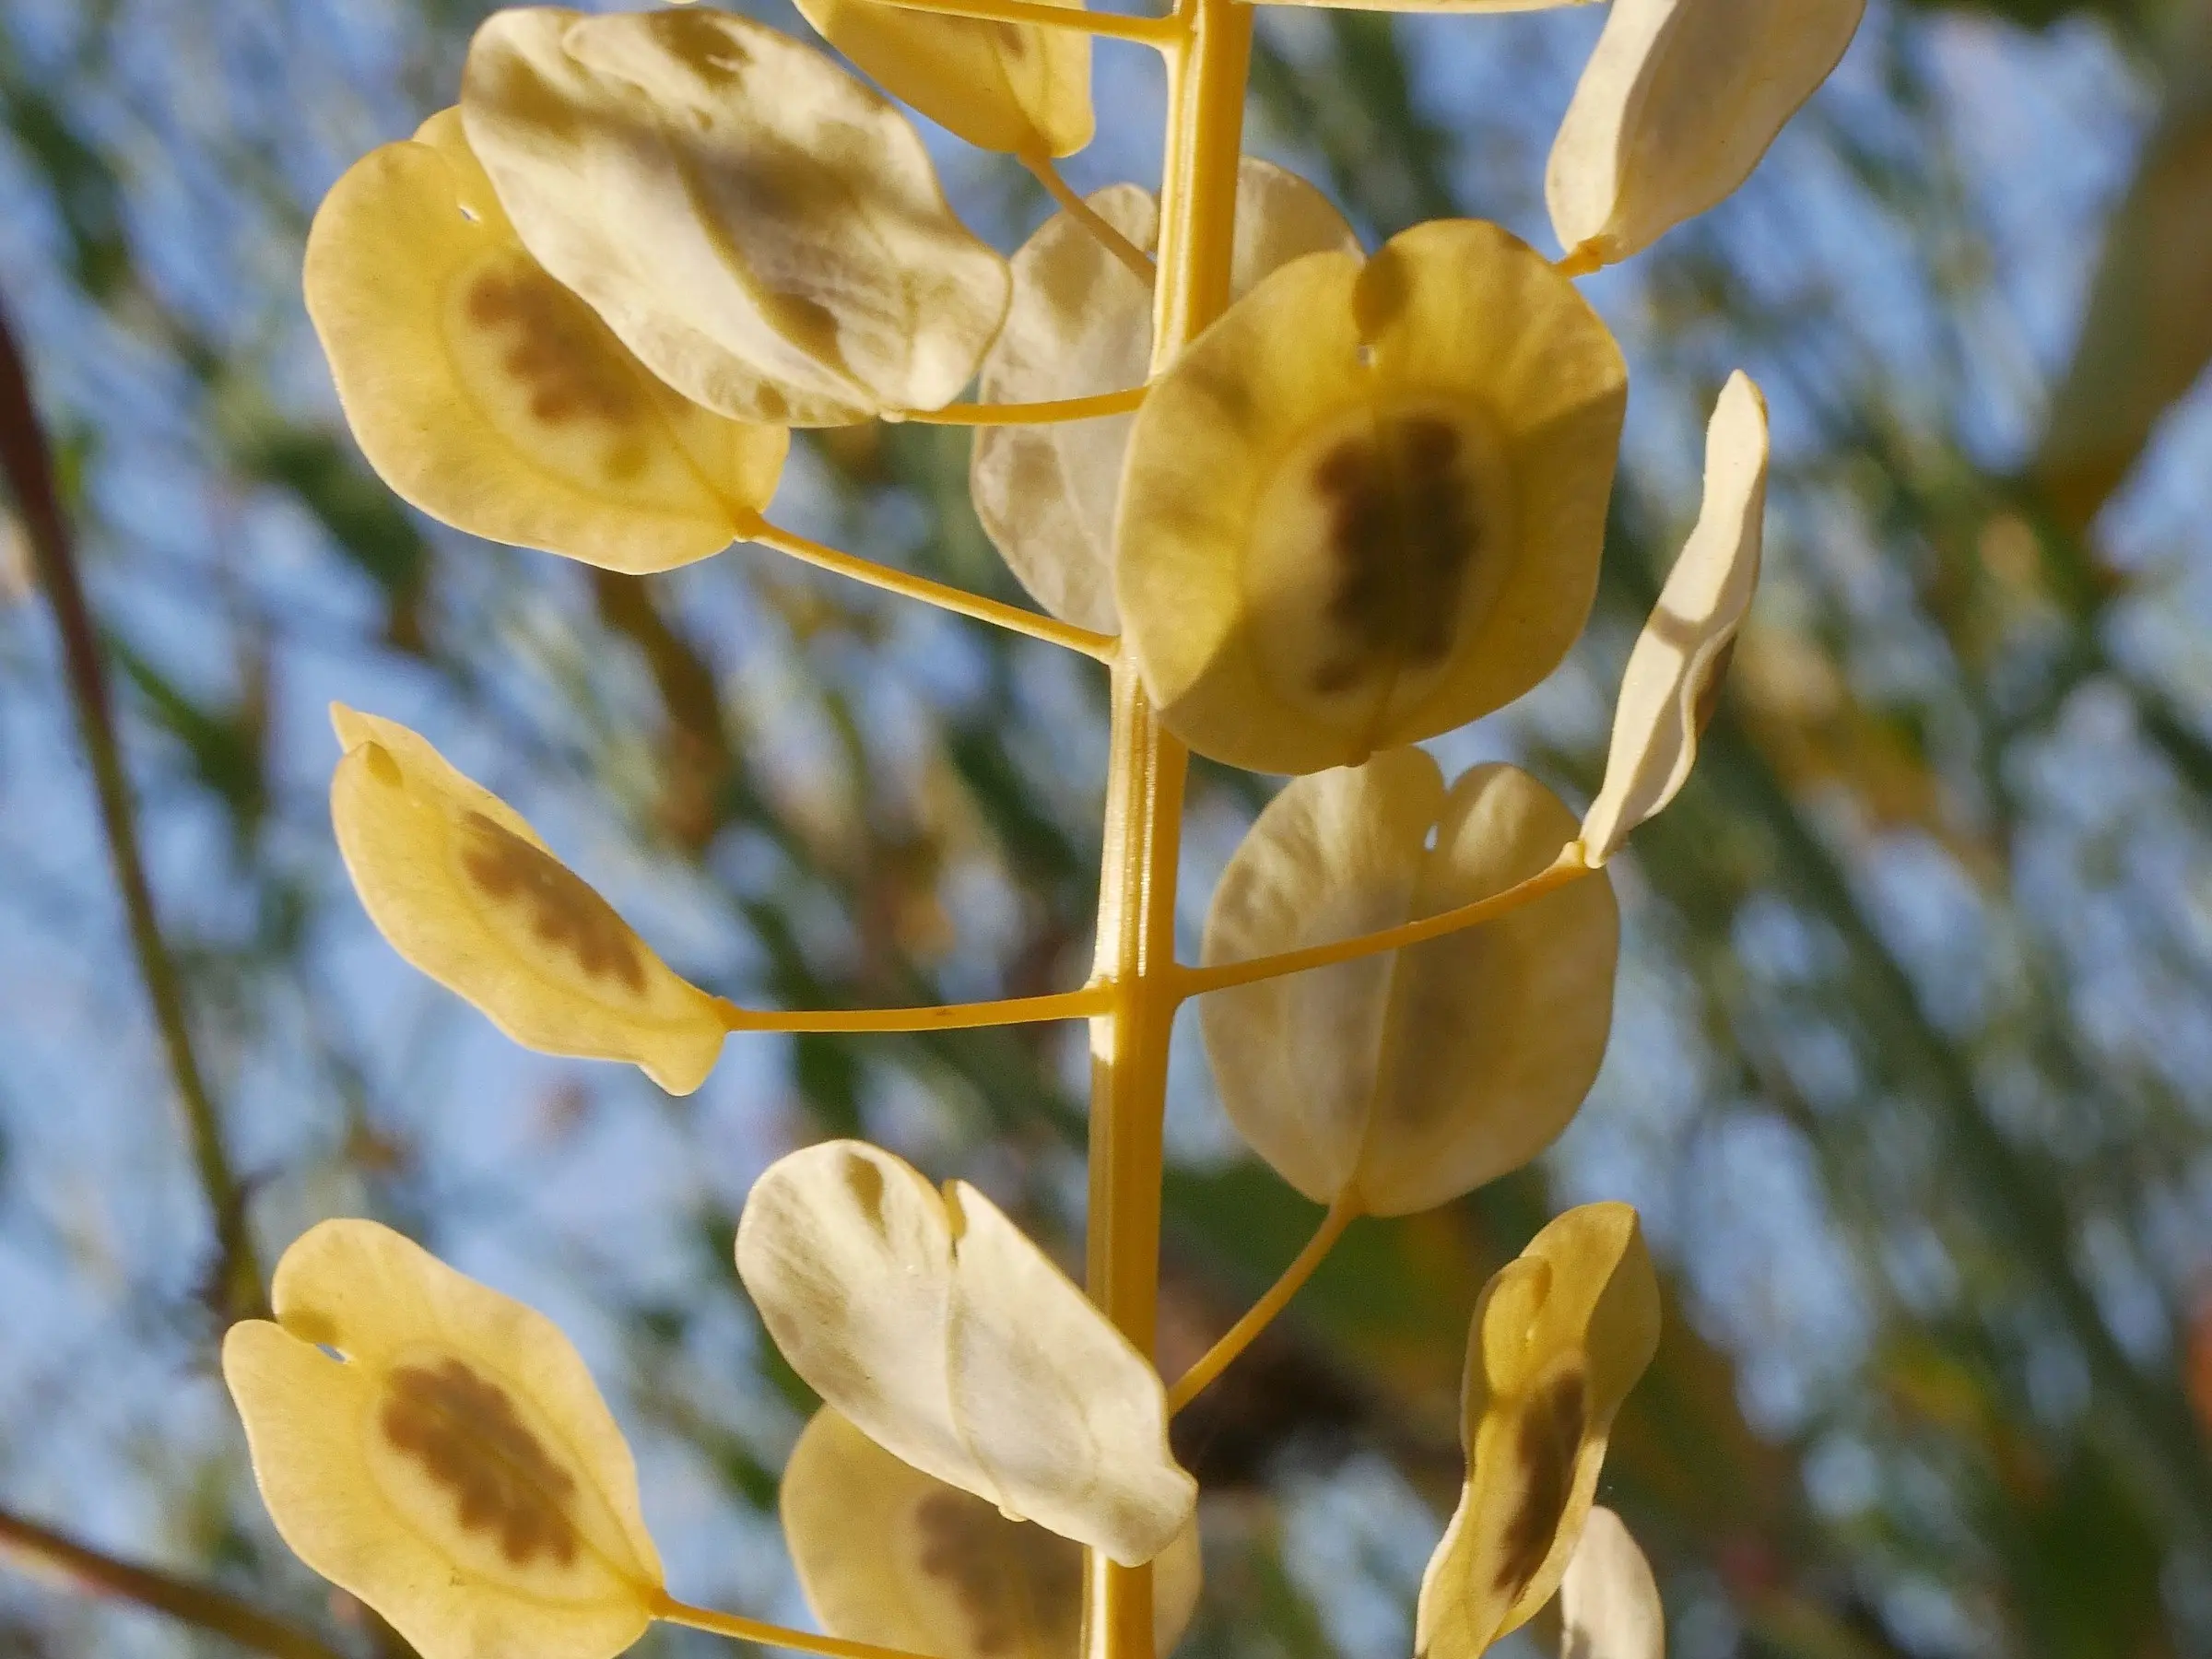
[(51, 1555), (27, 463)]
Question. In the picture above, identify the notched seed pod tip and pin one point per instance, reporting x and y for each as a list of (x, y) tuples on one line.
[(1402, 1081), (930, 1322), (1559, 1337), (438, 1450), (1366, 505), (463, 888), (491, 397), (766, 233)]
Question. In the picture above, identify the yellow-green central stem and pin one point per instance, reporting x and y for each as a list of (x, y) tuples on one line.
[(1206, 72)]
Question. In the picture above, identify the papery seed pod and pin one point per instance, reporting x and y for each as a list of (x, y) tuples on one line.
[(1559, 1337), (1081, 323), (464, 889), (1674, 673), (1019, 88), (933, 1325), (1404, 1080), (1677, 106), (491, 397), (1609, 1601), (440, 1451), (764, 231), (1367, 504), (888, 1554)]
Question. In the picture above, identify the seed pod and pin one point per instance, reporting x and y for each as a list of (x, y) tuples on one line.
[(464, 889), (1674, 673), (1609, 1601), (1559, 1337), (1677, 106), (951, 1341), (1081, 323), (888, 1554), (765, 232), (1409, 1077), (438, 1450), (1018, 89), (491, 397), (1367, 504)]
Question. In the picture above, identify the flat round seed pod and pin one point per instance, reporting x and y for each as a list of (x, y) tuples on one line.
[(766, 233), (1609, 1601), (1015, 87), (950, 1340), (1559, 1337), (440, 1451), (1081, 323), (1674, 673), (489, 396), (1677, 106), (888, 1554), (463, 888), (1407, 1078), (1366, 506)]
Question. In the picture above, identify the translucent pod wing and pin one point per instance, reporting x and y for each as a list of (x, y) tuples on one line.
[(888, 1554), (1018, 89), (491, 397), (932, 1324), (1081, 323), (1409, 1077), (438, 1450), (766, 233), (1559, 1337), (1608, 1600), (1367, 504), (1677, 106), (1680, 660), (464, 889)]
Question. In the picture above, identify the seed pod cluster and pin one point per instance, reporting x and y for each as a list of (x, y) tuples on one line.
[(1362, 505)]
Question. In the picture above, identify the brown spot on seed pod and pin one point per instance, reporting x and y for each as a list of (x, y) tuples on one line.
[(1711, 687), (465, 1433), (711, 50), (564, 912), (1552, 1437), (570, 368), (1405, 525), (1009, 1577)]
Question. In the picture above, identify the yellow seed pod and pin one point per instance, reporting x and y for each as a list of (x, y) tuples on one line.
[(1559, 1337), (1015, 87), (1367, 504), (932, 1324), (1081, 323), (766, 233), (1674, 672), (888, 1554), (438, 1450), (491, 397), (1407, 1078), (1677, 106), (1608, 1600), (464, 889)]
